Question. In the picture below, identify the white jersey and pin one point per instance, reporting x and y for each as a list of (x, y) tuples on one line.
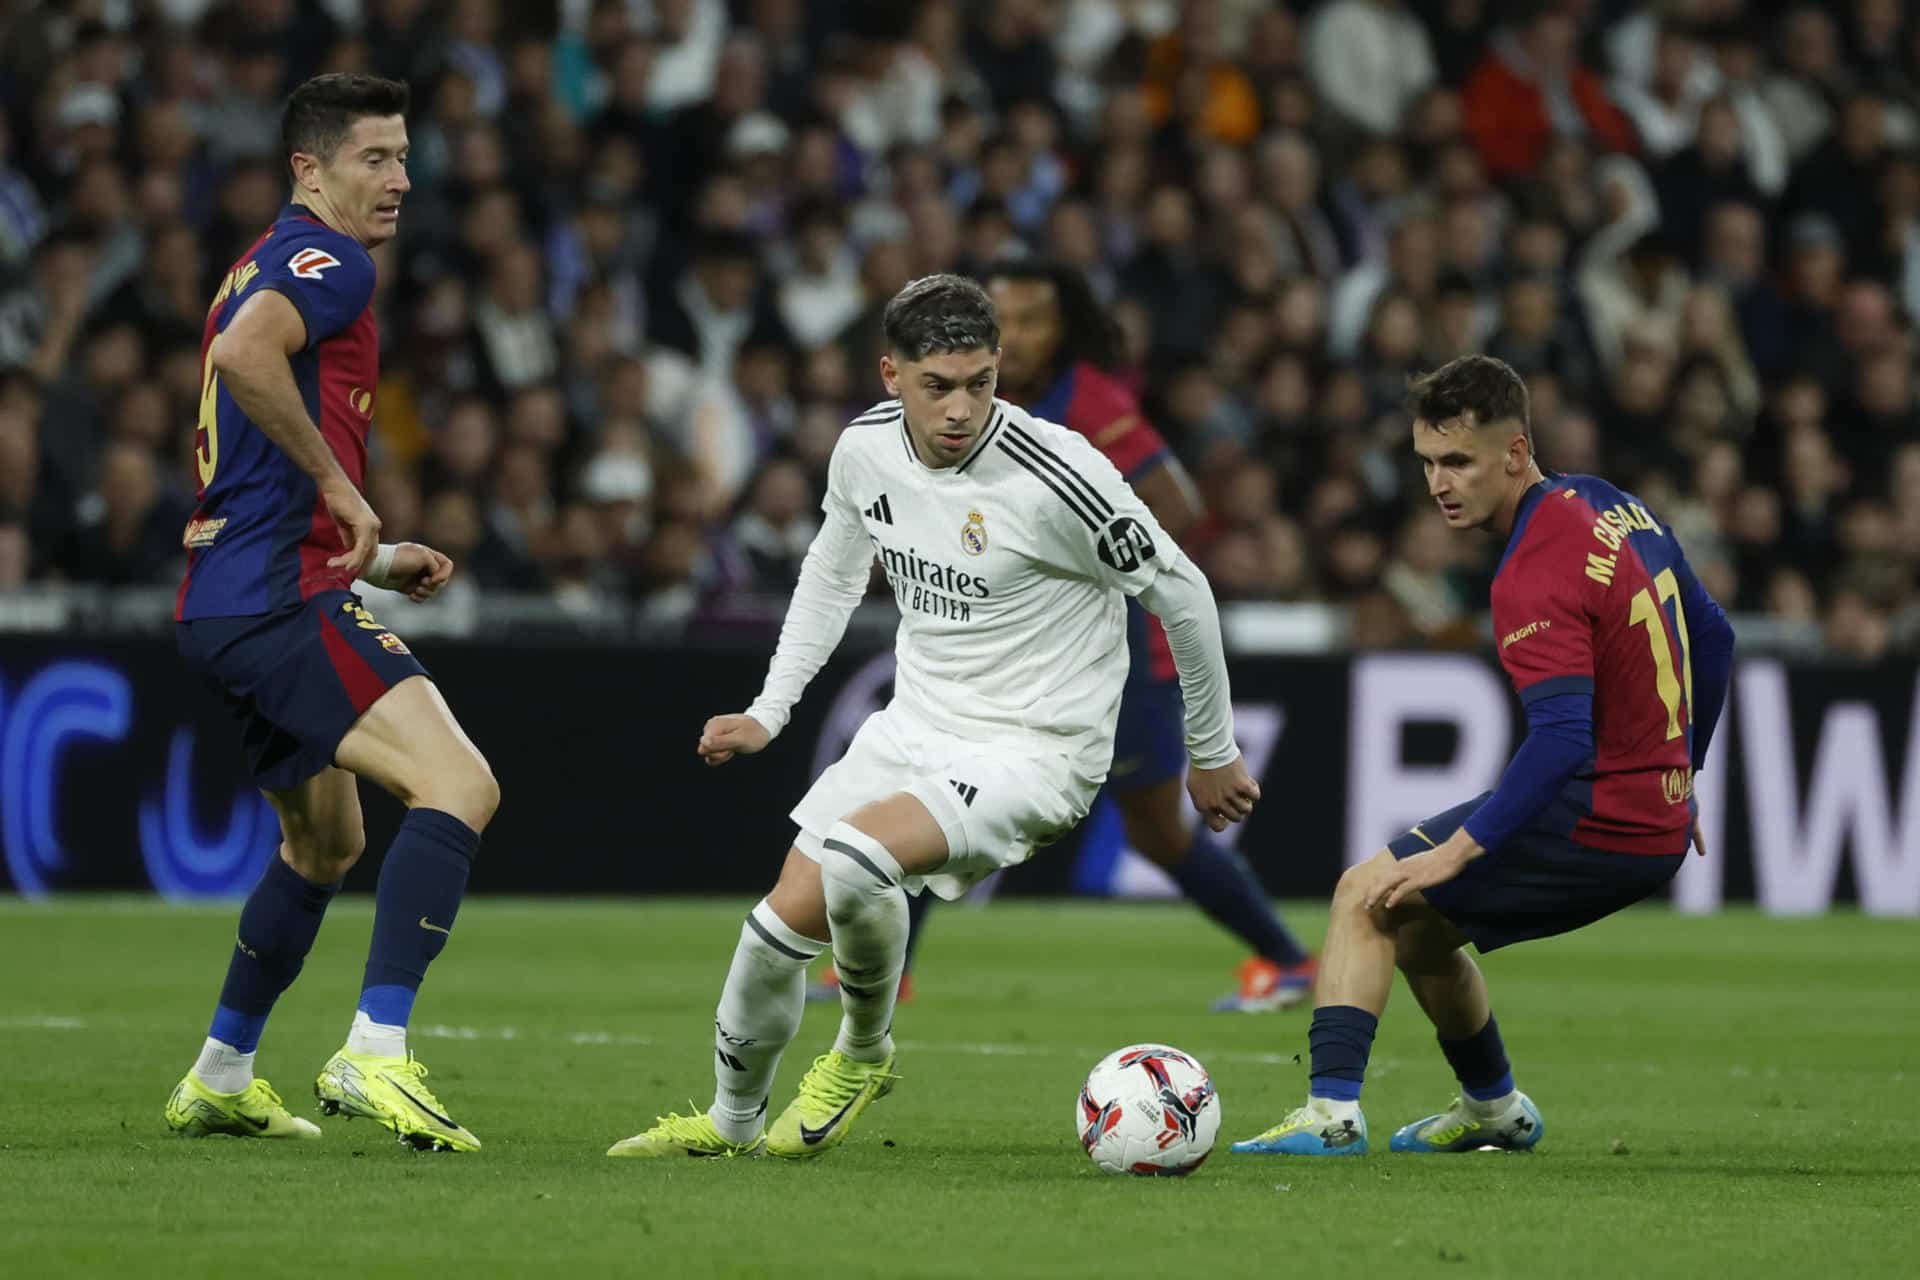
[(1009, 569)]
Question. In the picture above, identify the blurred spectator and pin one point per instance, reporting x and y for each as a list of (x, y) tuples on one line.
[(1531, 85), (127, 535), (716, 304), (769, 538), (822, 294), (1368, 60)]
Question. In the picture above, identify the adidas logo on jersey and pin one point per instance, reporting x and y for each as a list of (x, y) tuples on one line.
[(967, 790), (881, 510)]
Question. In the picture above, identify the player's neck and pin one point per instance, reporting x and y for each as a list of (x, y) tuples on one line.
[(920, 452), (1510, 509), (316, 204)]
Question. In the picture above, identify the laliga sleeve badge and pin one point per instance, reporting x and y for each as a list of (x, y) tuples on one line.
[(973, 534)]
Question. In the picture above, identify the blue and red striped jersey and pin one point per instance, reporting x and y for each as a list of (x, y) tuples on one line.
[(1593, 594), (261, 537), (1098, 406)]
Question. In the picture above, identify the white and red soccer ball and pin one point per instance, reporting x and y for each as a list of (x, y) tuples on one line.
[(1148, 1109)]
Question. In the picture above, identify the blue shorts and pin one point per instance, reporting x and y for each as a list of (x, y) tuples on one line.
[(1540, 883), (1150, 737), (297, 679)]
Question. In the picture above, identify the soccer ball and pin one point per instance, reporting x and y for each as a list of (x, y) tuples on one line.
[(1148, 1109)]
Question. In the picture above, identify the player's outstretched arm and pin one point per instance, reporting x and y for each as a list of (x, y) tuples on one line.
[(1222, 789), (251, 358)]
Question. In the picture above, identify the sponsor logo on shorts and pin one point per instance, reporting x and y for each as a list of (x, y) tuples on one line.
[(361, 618), (1677, 784)]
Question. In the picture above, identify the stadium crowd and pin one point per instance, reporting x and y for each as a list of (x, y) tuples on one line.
[(636, 292)]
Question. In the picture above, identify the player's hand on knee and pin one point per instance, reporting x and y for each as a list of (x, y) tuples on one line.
[(1223, 795), (1401, 880), (727, 736)]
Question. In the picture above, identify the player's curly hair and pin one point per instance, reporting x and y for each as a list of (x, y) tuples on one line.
[(1088, 332), (938, 314), (320, 113), (1487, 388)]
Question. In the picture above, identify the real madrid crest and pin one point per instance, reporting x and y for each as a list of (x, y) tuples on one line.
[(973, 534)]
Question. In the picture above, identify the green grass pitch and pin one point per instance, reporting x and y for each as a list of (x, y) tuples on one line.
[(1723, 1096)]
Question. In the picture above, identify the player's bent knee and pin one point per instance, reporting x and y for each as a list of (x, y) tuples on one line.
[(1350, 891), (856, 873), (322, 857), (469, 792), (1350, 895), (480, 795)]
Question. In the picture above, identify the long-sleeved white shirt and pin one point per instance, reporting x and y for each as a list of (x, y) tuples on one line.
[(1011, 570)]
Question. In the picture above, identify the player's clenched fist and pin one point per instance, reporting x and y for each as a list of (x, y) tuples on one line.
[(1223, 795), (419, 571), (727, 736)]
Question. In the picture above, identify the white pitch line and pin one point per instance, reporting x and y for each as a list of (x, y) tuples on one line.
[(44, 1023)]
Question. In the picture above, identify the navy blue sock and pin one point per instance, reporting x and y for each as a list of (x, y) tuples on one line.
[(918, 905), (1480, 1063), (1341, 1038), (277, 928), (419, 894), (1220, 883)]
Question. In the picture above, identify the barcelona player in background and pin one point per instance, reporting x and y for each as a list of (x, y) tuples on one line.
[(1057, 345), (1621, 660), (324, 692)]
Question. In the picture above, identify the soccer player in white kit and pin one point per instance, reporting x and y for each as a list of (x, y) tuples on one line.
[(1010, 544)]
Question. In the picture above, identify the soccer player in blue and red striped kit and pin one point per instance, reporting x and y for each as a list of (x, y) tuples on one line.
[(325, 694), (1621, 660)]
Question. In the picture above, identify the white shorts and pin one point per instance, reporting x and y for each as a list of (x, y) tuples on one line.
[(995, 803)]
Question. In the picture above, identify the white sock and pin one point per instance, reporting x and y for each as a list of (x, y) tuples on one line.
[(1491, 1107), (868, 914), (1334, 1108), (223, 1068), (758, 1014), (376, 1038)]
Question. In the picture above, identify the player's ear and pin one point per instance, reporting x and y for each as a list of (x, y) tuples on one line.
[(890, 374), (306, 169)]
